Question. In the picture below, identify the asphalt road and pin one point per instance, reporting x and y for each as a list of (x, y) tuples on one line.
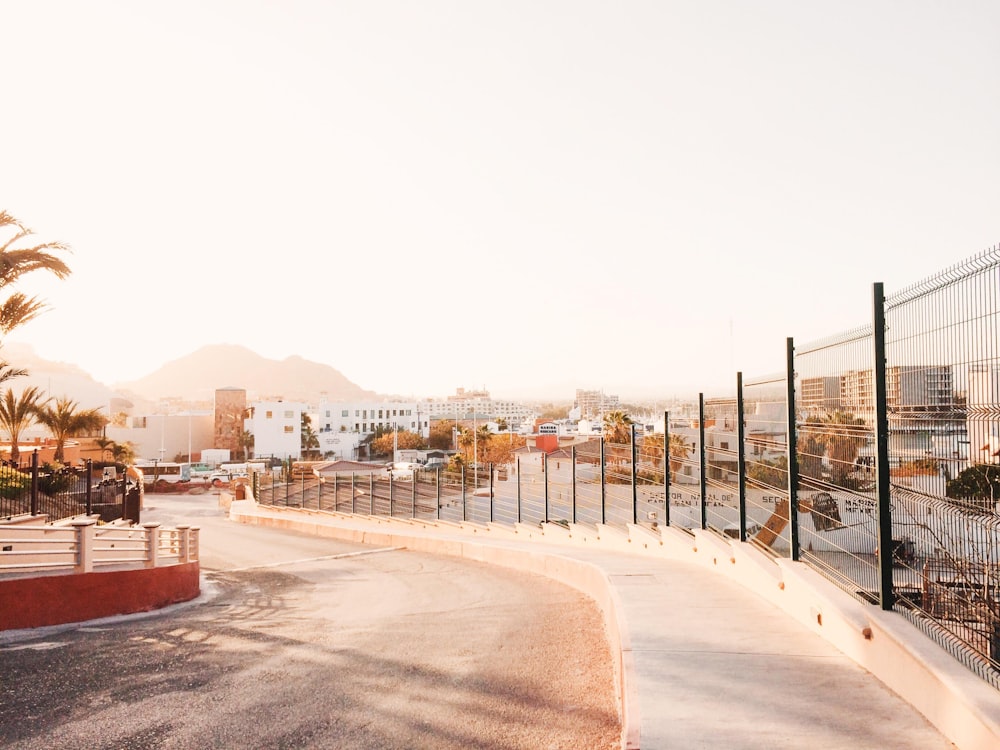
[(300, 642)]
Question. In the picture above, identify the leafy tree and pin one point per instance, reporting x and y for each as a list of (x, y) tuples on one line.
[(16, 260), (976, 489), (772, 474), (440, 436), (502, 424), (403, 439), (811, 448), (64, 420), (17, 413), (501, 452)]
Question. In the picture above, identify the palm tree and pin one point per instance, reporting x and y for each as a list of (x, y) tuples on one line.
[(483, 438), (65, 421), (652, 446), (15, 262), (123, 453), (466, 440), (247, 442), (618, 427), (7, 372), (17, 414), (106, 445)]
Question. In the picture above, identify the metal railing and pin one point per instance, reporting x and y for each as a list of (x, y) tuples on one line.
[(35, 490), (82, 545)]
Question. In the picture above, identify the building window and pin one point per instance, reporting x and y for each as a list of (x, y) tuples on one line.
[(268, 414), (289, 429), (344, 413), (289, 414)]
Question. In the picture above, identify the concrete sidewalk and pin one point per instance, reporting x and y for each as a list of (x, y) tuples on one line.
[(715, 644)]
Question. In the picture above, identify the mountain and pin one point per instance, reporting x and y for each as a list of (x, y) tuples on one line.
[(197, 376), (58, 379)]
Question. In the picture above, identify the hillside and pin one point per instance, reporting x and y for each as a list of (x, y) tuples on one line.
[(197, 376), (58, 379)]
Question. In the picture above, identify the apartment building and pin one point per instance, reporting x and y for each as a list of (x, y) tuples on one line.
[(277, 428)]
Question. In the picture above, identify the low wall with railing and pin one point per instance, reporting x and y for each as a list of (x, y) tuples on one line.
[(81, 570)]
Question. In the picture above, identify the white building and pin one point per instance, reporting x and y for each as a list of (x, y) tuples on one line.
[(983, 427), (277, 428), (366, 417), (165, 436), (466, 405)]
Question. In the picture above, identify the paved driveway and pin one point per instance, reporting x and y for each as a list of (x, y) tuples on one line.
[(301, 642)]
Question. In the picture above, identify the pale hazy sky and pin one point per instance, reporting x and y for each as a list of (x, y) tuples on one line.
[(534, 197)]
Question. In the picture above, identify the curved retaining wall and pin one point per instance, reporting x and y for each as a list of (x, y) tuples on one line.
[(964, 708), (60, 599)]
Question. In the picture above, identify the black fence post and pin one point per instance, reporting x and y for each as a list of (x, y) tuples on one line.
[(89, 505), (793, 450), (464, 518), (545, 472), (518, 469), (491, 493), (131, 512), (635, 487), (887, 592), (437, 483), (741, 456), (34, 483), (702, 481), (604, 494), (666, 468), (573, 479)]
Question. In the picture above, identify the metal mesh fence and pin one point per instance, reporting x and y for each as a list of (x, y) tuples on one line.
[(835, 450), (722, 493), (884, 475), (943, 411), (765, 405)]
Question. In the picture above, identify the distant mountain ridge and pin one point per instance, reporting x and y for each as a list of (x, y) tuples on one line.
[(197, 376), (60, 379)]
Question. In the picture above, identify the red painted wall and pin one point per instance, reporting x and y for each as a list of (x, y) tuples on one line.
[(55, 600), (547, 443)]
